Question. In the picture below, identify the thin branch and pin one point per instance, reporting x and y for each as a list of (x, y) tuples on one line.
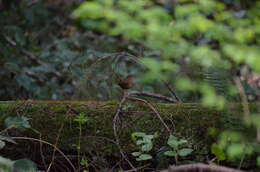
[(243, 99), (154, 110), (173, 92), (157, 96), (56, 143), (245, 106), (42, 141), (115, 122)]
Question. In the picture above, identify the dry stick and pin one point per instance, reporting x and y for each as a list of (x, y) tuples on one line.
[(115, 129), (244, 99), (125, 97), (41, 152), (200, 168), (245, 108), (38, 140), (172, 91), (153, 109), (158, 96), (56, 143)]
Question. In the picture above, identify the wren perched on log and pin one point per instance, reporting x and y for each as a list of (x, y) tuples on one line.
[(127, 82)]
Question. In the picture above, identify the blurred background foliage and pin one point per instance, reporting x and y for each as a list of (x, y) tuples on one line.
[(70, 49), (196, 46)]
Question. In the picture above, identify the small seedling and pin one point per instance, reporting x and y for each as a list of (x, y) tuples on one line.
[(176, 151), (145, 144)]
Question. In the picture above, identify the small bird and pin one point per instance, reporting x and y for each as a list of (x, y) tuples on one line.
[(127, 82)]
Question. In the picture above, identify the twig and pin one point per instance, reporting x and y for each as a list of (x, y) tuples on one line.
[(245, 106), (56, 143), (173, 92), (158, 96), (41, 152), (243, 99), (115, 120), (154, 110), (38, 140)]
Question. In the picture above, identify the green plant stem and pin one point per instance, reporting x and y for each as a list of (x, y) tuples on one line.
[(79, 145)]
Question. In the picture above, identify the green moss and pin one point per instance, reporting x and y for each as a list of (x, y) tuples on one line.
[(55, 120)]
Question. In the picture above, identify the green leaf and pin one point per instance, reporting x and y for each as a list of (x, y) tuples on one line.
[(219, 153), (2, 144), (139, 142), (91, 10), (182, 141), (184, 151), (17, 122), (212, 131), (6, 165), (170, 153), (258, 161), (147, 147), (173, 142), (138, 134), (81, 118), (144, 157), (25, 165), (136, 153), (236, 150)]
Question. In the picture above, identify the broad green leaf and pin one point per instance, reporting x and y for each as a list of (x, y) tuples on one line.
[(170, 153), (147, 147), (173, 142)]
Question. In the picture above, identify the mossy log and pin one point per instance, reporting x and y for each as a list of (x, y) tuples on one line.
[(54, 123)]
